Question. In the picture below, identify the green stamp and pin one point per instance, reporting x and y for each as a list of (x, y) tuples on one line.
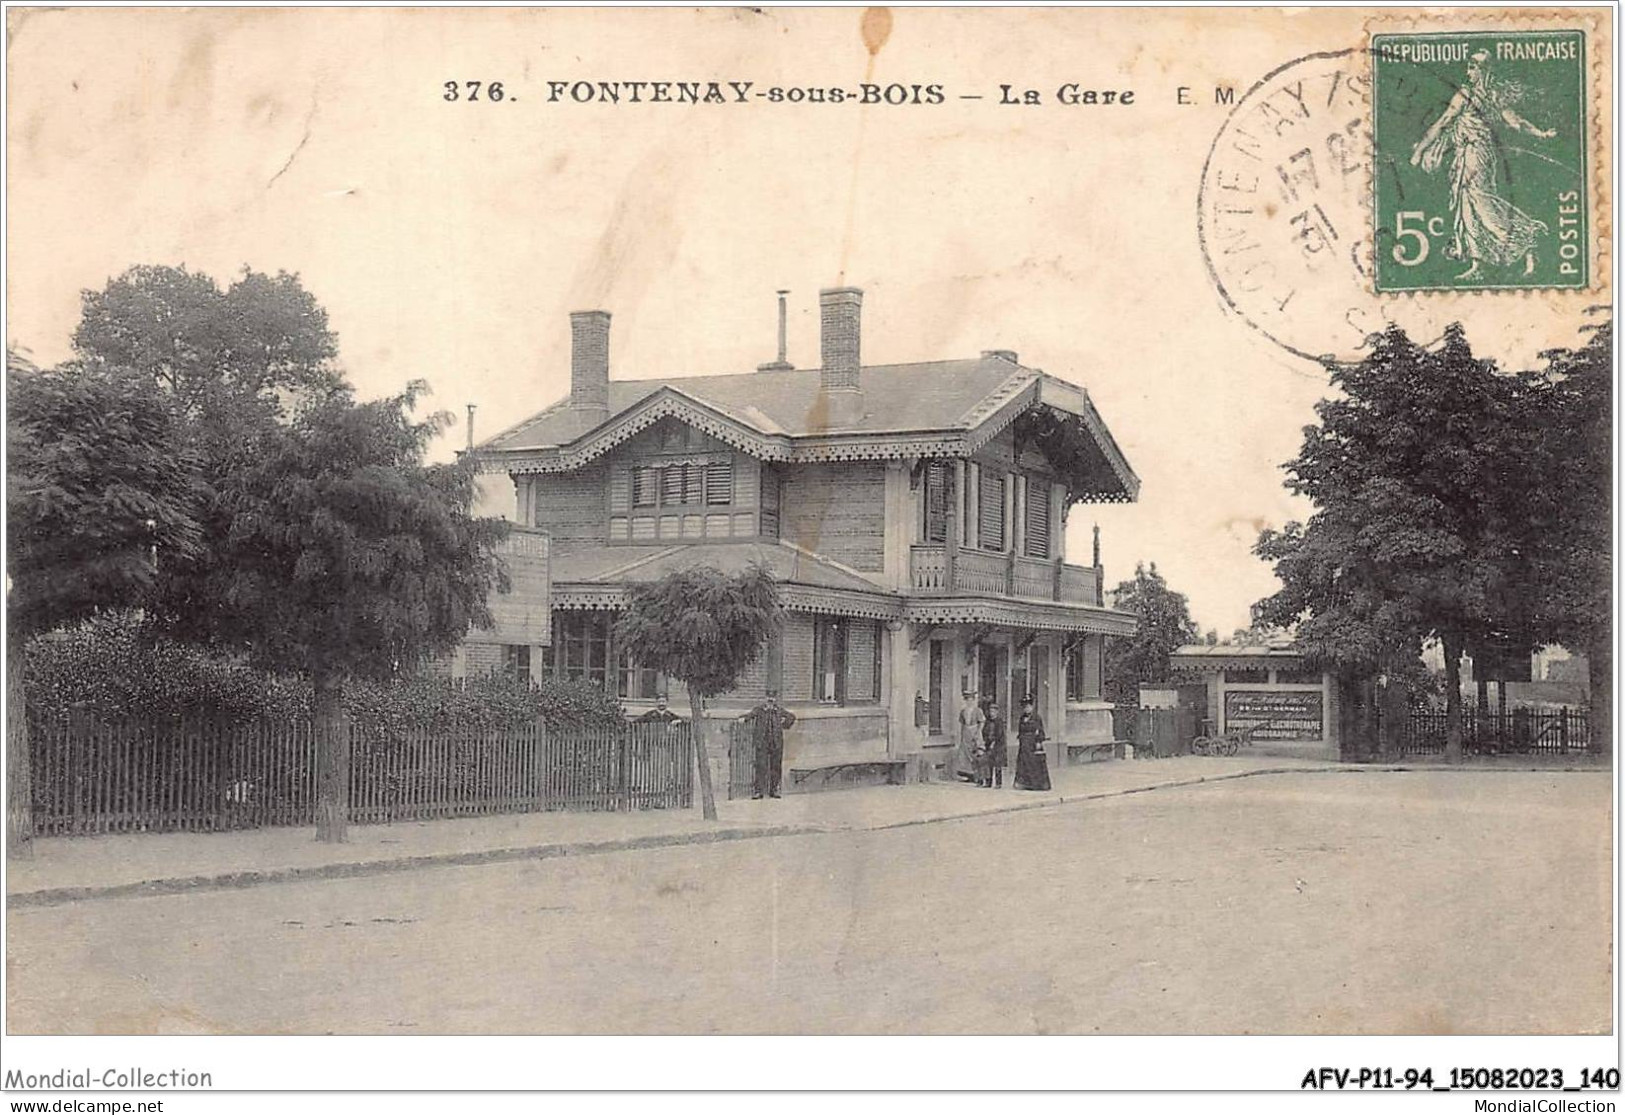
[(1481, 161)]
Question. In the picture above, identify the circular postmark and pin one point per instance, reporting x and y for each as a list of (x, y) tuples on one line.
[(1282, 213)]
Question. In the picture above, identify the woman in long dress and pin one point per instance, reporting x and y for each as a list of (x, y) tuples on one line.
[(1032, 768), (1487, 227), (970, 738)]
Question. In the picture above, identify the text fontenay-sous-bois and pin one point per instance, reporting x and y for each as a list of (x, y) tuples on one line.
[(583, 92)]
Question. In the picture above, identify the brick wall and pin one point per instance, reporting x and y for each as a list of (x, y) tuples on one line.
[(483, 658), (570, 506), (837, 510)]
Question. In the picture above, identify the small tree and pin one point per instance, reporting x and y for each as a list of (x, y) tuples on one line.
[(99, 494), (702, 627), (334, 552), (1165, 625)]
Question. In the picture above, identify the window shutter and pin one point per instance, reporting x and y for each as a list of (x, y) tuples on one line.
[(643, 487), (936, 503), (672, 479), (992, 517), (719, 483), (1037, 518)]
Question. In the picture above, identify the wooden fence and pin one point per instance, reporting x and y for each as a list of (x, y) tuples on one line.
[(94, 776), (1518, 731)]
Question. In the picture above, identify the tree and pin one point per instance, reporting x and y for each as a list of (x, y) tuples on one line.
[(702, 627), (334, 551), (100, 492), (1165, 625), (1417, 534), (1571, 490), (261, 336)]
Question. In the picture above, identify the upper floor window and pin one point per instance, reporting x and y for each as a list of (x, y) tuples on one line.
[(684, 485), (991, 520), (934, 522), (1037, 504), (719, 483)]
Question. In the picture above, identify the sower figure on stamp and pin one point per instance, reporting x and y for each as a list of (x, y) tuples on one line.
[(769, 721), (1032, 768), (994, 754), (1487, 227)]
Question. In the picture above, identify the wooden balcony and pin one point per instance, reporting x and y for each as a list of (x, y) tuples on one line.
[(976, 573)]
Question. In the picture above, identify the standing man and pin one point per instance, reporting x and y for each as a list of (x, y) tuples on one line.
[(770, 721), (660, 714)]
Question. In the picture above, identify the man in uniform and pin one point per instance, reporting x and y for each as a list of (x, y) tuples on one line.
[(769, 721)]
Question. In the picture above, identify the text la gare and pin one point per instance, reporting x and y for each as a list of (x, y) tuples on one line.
[(1069, 93)]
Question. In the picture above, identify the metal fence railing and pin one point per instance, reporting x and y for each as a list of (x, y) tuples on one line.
[(1517, 731)]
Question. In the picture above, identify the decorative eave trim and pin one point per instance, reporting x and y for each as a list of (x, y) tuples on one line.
[(668, 401), (794, 598), (1018, 399), (1109, 449), (1020, 613), (1212, 664)]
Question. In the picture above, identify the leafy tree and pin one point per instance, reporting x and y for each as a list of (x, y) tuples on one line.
[(1414, 535), (333, 551), (261, 336), (702, 627), (1570, 489), (99, 493), (1165, 625)]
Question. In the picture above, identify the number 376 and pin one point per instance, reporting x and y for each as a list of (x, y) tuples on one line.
[(470, 91), (1404, 230)]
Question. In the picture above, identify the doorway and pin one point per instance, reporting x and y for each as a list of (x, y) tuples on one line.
[(993, 677)]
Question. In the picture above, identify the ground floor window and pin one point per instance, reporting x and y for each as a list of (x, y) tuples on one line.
[(637, 683), (1083, 682), (516, 663), (937, 687), (829, 659)]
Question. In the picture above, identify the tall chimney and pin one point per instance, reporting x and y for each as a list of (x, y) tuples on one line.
[(839, 319), (782, 364), (589, 367)]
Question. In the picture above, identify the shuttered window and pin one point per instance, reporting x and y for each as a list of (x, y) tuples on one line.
[(1037, 518), (719, 483), (643, 487), (672, 479), (935, 526), (991, 519)]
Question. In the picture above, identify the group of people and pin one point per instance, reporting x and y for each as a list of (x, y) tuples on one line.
[(982, 751)]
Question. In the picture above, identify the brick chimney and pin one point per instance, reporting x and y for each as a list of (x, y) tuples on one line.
[(840, 312), (589, 368)]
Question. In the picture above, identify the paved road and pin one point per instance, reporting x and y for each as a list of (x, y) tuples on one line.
[(1340, 903)]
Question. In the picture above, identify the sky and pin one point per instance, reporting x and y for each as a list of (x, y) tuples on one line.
[(449, 240)]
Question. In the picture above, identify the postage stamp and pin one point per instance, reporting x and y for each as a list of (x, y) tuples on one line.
[(1481, 148)]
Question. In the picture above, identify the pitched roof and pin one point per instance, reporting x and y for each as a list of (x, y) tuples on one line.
[(938, 395)]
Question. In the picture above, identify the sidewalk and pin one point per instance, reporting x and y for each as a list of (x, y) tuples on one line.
[(66, 869)]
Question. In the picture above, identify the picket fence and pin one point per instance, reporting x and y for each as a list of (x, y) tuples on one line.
[(101, 776)]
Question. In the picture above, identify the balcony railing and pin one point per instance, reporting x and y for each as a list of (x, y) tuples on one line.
[(973, 572)]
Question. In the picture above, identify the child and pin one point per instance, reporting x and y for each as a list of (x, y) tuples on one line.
[(994, 752)]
